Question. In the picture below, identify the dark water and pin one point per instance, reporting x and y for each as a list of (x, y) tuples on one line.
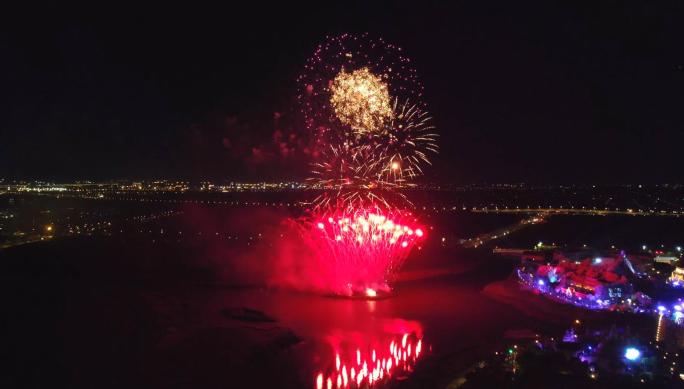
[(95, 313), (141, 309)]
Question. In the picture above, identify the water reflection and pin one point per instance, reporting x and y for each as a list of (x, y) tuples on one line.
[(356, 359)]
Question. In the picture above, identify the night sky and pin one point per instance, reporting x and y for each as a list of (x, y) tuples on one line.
[(520, 92)]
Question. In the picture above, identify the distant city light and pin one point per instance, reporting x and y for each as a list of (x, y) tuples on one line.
[(643, 247), (598, 260), (540, 282), (632, 353)]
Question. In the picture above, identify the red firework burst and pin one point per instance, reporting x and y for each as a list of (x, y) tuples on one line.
[(362, 250)]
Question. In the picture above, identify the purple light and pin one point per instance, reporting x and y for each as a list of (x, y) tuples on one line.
[(540, 282)]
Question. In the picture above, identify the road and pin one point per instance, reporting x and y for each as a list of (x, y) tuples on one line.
[(501, 232)]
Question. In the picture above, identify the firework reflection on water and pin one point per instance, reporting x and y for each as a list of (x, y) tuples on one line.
[(356, 360)]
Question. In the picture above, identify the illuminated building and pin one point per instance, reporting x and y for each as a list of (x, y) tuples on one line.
[(597, 281), (677, 276), (668, 259)]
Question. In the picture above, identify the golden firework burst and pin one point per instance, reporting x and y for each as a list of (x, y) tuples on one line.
[(361, 100)]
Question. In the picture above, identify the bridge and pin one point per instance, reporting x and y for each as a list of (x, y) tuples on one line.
[(579, 211)]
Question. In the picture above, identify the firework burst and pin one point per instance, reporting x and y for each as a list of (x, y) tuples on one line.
[(403, 146), (360, 100), (384, 64), (349, 178), (366, 170), (371, 142), (362, 249), (355, 99)]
